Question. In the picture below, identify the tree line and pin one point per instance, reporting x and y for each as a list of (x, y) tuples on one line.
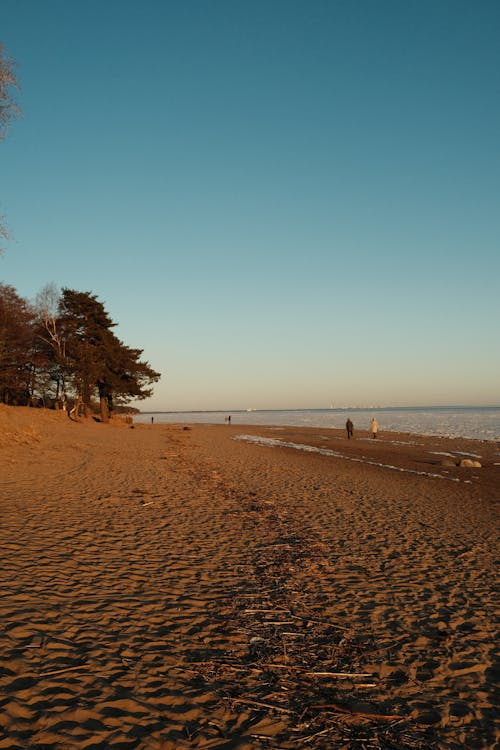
[(61, 351)]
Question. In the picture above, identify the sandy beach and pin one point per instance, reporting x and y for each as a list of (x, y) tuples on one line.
[(216, 586)]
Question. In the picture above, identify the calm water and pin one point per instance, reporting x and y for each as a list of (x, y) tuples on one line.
[(481, 423)]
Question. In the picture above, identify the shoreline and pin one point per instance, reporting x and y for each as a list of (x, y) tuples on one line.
[(168, 586), (482, 423)]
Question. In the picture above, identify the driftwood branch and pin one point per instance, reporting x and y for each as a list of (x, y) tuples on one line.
[(278, 611), (258, 704), (60, 671), (310, 673), (353, 712), (316, 734), (319, 622)]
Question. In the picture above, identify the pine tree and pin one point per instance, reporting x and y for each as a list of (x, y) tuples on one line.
[(98, 360)]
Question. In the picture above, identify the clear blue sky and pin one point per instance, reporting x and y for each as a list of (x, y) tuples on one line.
[(285, 204)]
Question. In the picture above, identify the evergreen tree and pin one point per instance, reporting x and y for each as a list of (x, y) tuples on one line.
[(98, 360)]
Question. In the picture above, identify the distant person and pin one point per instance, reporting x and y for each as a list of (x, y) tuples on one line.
[(229, 419), (349, 429), (152, 420), (374, 427)]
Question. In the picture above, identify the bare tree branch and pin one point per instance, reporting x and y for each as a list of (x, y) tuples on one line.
[(9, 109)]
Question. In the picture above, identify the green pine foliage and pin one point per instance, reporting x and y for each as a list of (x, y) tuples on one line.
[(67, 352)]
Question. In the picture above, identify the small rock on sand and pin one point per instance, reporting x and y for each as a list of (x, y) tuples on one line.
[(469, 463)]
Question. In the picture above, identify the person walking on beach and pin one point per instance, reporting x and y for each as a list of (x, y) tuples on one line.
[(349, 429), (374, 427)]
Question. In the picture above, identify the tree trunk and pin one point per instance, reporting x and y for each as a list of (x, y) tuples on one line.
[(104, 409)]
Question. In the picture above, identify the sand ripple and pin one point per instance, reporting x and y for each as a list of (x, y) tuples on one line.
[(171, 588)]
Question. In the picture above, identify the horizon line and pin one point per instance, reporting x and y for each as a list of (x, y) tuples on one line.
[(320, 408)]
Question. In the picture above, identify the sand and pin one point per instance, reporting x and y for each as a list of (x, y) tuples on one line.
[(174, 587)]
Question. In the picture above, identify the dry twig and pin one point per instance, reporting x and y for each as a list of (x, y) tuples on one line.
[(60, 671), (354, 712)]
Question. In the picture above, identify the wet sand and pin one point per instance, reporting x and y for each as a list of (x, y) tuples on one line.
[(174, 587)]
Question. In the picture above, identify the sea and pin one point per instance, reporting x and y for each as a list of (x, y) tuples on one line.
[(475, 422)]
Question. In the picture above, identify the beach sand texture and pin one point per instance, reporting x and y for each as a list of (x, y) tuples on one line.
[(172, 587)]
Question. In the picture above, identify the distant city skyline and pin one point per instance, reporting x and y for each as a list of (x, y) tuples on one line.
[(285, 204), (340, 408)]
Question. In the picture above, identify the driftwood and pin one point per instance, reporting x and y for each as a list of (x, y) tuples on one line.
[(363, 714), (60, 671), (316, 734), (36, 642), (266, 611), (294, 664), (320, 622), (343, 675), (258, 704), (310, 673), (249, 668)]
